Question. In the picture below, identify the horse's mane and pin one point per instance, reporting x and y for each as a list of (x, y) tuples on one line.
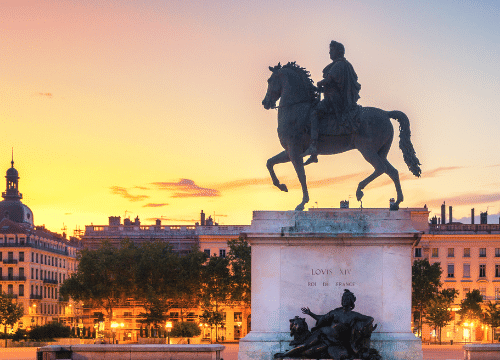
[(304, 74)]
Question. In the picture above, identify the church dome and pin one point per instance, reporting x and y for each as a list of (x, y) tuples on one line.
[(16, 211), (11, 207), (12, 172)]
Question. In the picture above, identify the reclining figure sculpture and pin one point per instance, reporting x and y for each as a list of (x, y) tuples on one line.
[(339, 334)]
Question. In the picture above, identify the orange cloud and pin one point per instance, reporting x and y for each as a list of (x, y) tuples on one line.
[(154, 205), (49, 95), (123, 192)]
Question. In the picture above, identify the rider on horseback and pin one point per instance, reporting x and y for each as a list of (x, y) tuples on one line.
[(341, 88)]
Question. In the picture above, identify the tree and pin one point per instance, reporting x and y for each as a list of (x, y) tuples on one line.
[(438, 310), (185, 329), (104, 277), (470, 307), (155, 280), (215, 290), (425, 286), (10, 312), (188, 284), (492, 316), (240, 261)]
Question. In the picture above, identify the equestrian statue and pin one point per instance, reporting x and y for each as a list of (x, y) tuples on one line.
[(310, 127)]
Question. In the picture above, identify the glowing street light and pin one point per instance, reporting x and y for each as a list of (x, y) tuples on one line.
[(168, 326)]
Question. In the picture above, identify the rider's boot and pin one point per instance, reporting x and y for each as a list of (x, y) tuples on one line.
[(312, 150)]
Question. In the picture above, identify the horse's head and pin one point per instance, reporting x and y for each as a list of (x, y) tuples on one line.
[(273, 88)]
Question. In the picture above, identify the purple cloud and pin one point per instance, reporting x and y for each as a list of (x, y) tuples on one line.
[(186, 188)]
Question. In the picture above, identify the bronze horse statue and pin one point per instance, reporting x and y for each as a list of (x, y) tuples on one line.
[(373, 137)]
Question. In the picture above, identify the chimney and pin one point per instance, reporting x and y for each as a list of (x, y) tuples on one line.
[(114, 220), (451, 215), (484, 217), (158, 222), (344, 204), (391, 202), (202, 218), (443, 213), (472, 216)]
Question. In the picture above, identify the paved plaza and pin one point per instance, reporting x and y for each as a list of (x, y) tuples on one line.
[(431, 352)]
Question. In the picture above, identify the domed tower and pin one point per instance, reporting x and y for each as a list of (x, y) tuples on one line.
[(11, 207)]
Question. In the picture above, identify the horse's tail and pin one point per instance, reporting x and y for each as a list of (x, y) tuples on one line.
[(405, 144)]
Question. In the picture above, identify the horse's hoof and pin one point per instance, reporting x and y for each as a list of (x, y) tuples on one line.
[(299, 207), (312, 159), (359, 195), (282, 187), (394, 207)]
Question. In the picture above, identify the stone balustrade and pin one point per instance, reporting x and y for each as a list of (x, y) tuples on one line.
[(131, 352)]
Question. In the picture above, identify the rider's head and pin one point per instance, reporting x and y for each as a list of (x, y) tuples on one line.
[(348, 300), (337, 48)]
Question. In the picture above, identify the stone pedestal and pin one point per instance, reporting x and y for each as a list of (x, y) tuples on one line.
[(308, 258)]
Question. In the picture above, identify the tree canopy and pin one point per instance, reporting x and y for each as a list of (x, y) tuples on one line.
[(10, 312), (425, 286)]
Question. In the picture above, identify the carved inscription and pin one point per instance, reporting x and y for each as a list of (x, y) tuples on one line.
[(331, 272)]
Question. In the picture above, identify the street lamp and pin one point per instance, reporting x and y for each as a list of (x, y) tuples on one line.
[(114, 325), (168, 326)]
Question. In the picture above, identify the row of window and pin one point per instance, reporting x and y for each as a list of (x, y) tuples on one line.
[(35, 258), (451, 252), (466, 271), (483, 292), (45, 291), (48, 309), (44, 275), (22, 241)]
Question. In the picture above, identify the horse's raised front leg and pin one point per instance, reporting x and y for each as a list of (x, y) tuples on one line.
[(281, 158), (296, 159)]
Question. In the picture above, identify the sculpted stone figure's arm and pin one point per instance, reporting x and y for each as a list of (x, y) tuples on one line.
[(305, 310)]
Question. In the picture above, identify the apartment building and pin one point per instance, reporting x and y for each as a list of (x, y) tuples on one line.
[(33, 261), (469, 255)]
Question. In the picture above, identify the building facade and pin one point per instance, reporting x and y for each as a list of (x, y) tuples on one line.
[(469, 255), (33, 261), (206, 235)]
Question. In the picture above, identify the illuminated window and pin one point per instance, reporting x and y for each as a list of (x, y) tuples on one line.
[(466, 252), (451, 252), (435, 252)]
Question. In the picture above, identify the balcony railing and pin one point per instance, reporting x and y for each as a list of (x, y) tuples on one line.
[(9, 261), (34, 246), (35, 297), (13, 278), (50, 281)]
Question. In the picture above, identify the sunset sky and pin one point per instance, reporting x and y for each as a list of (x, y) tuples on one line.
[(153, 108)]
